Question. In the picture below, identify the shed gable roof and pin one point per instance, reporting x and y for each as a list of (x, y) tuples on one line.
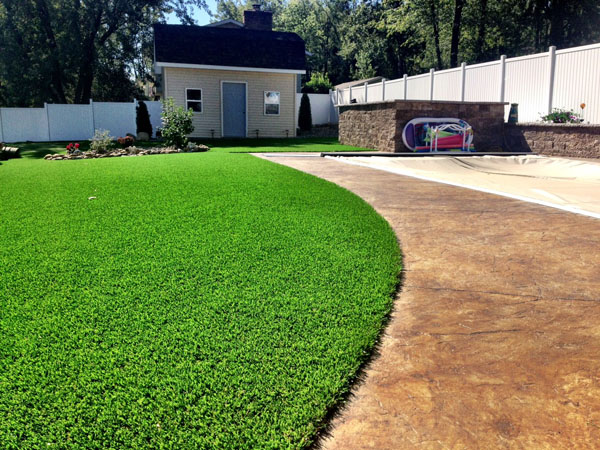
[(215, 46)]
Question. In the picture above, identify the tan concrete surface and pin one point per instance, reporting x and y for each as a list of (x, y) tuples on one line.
[(494, 341)]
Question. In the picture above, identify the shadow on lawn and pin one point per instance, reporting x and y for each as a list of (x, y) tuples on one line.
[(37, 150), (280, 143), (38, 153), (267, 142)]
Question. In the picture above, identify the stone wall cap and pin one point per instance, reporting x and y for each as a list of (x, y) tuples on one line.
[(554, 125), (444, 102)]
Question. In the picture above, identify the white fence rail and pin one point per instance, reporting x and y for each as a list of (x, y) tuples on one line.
[(538, 83), (72, 122)]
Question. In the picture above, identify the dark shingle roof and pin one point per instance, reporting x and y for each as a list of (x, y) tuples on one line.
[(216, 46)]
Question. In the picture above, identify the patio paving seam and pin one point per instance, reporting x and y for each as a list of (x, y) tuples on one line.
[(528, 374)]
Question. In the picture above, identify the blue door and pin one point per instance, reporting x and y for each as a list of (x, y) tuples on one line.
[(234, 109)]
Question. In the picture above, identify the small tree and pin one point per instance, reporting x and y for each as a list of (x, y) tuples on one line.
[(176, 124), (305, 116), (142, 119)]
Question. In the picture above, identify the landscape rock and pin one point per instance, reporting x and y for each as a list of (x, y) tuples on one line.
[(129, 151)]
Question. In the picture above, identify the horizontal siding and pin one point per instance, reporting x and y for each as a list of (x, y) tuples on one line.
[(177, 80)]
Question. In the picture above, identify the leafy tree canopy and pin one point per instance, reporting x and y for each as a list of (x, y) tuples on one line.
[(71, 51), (319, 84)]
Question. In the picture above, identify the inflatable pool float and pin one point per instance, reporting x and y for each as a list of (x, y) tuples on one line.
[(431, 134)]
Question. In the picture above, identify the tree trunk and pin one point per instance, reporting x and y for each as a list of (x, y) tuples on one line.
[(58, 91), (436, 34), (83, 91), (536, 11), (458, 7), (557, 14), (481, 28)]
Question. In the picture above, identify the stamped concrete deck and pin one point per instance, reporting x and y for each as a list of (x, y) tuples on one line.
[(494, 341)]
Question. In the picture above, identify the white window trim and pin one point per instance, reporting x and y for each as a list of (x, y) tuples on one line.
[(201, 101), (265, 104), (234, 68)]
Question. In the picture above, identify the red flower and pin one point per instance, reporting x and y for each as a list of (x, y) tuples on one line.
[(69, 147), (77, 145)]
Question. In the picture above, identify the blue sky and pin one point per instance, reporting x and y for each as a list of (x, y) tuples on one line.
[(201, 17)]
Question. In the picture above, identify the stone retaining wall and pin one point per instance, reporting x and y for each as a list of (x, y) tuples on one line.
[(575, 141), (379, 125)]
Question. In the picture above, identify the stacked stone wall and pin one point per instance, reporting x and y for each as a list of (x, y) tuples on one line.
[(369, 126), (379, 125), (573, 140)]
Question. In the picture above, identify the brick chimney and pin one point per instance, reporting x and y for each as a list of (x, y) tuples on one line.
[(255, 19)]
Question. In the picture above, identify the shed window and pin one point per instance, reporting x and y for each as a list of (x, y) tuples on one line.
[(193, 100), (271, 103)]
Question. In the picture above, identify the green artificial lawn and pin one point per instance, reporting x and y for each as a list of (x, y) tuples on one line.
[(278, 145), (207, 300)]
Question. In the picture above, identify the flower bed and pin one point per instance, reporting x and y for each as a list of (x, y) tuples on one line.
[(129, 151)]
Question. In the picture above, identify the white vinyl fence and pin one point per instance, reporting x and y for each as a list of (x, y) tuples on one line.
[(538, 83), (72, 122), (322, 108), (78, 122)]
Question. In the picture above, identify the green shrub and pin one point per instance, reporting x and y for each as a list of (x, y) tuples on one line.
[(319, 84), (142, 119), (176, 124), (101, 142), (305, 116)]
